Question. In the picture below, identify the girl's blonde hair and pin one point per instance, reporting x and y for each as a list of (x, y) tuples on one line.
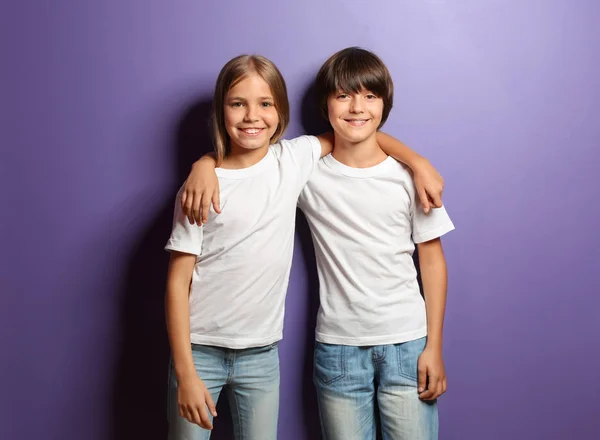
[(232, 73)]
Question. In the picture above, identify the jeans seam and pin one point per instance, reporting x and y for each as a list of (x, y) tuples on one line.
[(401, 371), (342, 369), (231, 371), (239, 417)]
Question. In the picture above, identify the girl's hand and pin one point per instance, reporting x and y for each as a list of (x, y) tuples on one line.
[(200, 189), (429, 184), (193, 399), (432, 381)]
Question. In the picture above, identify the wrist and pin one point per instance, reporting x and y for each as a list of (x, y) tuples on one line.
[(417, 162), (208, 160), (185, 374), (434, 343)]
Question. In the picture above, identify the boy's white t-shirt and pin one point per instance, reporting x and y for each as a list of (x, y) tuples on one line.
[(244, 254), (364, 223)]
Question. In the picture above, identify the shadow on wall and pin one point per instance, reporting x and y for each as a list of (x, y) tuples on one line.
[(140, 386), (312, 123), (312, 120)]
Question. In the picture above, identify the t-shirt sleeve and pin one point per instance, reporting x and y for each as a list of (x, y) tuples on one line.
[(426, 227), (185, 237), (304, 152)]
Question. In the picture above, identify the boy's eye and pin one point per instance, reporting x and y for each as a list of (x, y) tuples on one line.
[(371, 96), (237, 104), (342, 96), (267, 104)]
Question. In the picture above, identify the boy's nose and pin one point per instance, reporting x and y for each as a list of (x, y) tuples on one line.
[(356, 105)]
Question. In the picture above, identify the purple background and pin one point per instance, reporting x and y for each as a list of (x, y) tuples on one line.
[(103, 107)]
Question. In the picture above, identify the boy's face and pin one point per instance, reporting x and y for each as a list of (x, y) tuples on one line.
[(354, 117)]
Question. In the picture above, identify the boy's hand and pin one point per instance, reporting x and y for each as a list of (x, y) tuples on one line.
[(429, 184), (193, 398), (200, 189), (432, 375)]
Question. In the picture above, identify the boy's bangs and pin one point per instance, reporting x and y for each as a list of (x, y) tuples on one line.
[(356, 77)]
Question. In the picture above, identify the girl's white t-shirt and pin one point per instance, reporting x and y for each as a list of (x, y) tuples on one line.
[(365, 223), (244, 254)]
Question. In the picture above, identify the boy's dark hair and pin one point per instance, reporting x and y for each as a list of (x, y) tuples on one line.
[(351, 70)]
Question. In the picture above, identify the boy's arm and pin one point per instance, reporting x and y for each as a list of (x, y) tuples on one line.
[(192, 395), (428, 182), (431, 372)]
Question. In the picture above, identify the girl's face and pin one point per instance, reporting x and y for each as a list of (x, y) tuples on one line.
[(250, 115)]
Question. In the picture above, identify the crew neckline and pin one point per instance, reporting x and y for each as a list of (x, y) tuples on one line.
[(362, 173), (252, 170)]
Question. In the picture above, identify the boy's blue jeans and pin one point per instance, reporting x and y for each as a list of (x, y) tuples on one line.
[(251, 380), (352, 381)]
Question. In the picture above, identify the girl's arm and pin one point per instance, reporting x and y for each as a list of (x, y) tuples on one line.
[(428, 182), (192, 395), (431, 372)]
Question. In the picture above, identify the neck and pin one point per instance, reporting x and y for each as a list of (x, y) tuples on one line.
[(363, 154), (239, 158)]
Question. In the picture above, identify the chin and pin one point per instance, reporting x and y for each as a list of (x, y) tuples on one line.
[(253, 144)]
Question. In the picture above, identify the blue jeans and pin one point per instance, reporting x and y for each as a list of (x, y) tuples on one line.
[(352, 382), (251, 380)]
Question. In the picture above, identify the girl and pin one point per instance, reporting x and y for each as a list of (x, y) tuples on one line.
[(228, 278)]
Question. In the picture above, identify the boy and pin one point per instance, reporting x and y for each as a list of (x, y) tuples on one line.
[(378, 342)]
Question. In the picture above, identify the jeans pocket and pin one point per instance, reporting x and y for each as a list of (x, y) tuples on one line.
[(330, 365), (408, 357)]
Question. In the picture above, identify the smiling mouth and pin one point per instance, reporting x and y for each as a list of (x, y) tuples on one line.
[(357, 122), (252, 131)]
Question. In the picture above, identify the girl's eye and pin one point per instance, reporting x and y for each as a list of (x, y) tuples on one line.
[(267, 104), (236, 104)]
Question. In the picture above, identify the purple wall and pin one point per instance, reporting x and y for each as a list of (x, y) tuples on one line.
[(102, 112)]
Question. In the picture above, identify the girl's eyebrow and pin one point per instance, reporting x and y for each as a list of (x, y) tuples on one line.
[(237, 98)]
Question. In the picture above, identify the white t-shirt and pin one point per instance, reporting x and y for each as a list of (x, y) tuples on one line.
[(364, 223), (245, 253)]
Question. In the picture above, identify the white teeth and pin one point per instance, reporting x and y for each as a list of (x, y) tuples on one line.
[(251, 130)]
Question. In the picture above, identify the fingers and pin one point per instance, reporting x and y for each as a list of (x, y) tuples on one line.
[(205, 421), (437, 200), (183, 198), (210, 404), (196, 415), (190, 414), (196, 206), (424, 200), (216, 200), (186, 205), (435, 388), (422, 379), (205, 205)]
